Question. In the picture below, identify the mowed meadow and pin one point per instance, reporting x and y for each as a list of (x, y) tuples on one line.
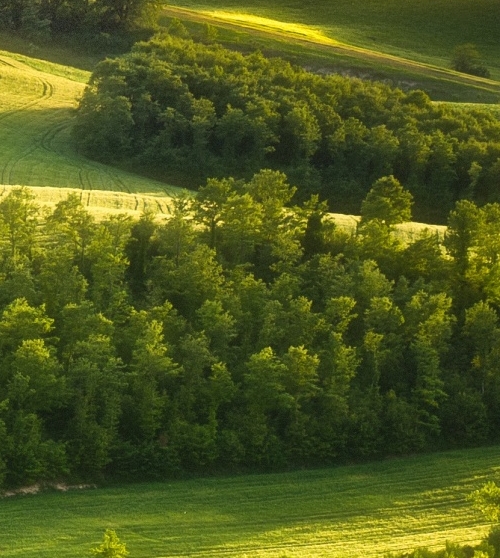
[(359, 510), (426, 31), (408, 45), (37, 102)]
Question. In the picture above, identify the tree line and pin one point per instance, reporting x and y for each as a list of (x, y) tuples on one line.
[(246, 331), (40, 20), (191, 111)]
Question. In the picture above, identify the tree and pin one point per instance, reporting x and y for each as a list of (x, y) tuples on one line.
[(104, 126), (466, 58), (152, 374), (19, 220), (139, 250), (111, 547), (209, 205), (482, 331), (96, 383), (108, 264), (387, 201), (487, 500), (59, 281), (242, 219), (36, 383), (267, 401), (72, 226), (20, 322), (126, 14)]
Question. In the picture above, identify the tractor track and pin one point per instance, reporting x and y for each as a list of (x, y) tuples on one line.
[(47, 92), (88, 174)]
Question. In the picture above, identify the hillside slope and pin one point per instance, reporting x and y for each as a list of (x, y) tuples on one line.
[(35, 122), (425, 31), (366, 510), (343, 47)]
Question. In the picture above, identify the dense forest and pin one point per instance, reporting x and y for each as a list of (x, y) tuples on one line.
[(244, 331), (194, 111), (44, 19)]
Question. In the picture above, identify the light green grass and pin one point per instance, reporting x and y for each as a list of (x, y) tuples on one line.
[(413, 50), (37, 105), (100, 203), (53, 68), (427, 30), (364, 510)]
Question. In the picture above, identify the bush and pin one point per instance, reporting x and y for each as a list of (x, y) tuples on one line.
[(466, 59), (111, 547)]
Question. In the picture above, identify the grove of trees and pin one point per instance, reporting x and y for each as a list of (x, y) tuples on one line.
[(42, 19), (245, 331), (189, 111), (466, 58)]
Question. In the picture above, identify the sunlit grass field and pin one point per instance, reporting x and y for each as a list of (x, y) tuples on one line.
[(406, 44), (427, 30), (37, 103), (351, 511)]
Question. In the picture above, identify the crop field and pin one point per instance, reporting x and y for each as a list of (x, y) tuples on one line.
[(409, 45), (427, 30), (36, 107), (351, 511)]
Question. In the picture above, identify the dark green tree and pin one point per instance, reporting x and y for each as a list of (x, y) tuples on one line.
[(466, 58), (388, 202)]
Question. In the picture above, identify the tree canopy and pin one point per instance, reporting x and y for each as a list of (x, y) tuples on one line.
[(245, 330), (201, 111)]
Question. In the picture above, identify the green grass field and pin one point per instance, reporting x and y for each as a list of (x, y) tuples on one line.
[(427, 30), (409, 44), (352, 511), (36, 109)]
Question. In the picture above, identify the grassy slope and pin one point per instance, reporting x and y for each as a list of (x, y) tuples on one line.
[(36, 107), (409, 43), (36, 103), (363, 510), (427, 30)]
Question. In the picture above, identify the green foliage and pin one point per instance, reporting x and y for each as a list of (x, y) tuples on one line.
[(466, 59), (205, 111), (213, 339), (37, 20), (111, 547), (388, 202), (487, 500)]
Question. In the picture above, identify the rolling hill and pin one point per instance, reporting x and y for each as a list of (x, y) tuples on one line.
[(351, 511), (409, 45), (38, 100), (35, 122)]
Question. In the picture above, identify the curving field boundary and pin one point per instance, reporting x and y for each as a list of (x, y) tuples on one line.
[(36, 112)]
